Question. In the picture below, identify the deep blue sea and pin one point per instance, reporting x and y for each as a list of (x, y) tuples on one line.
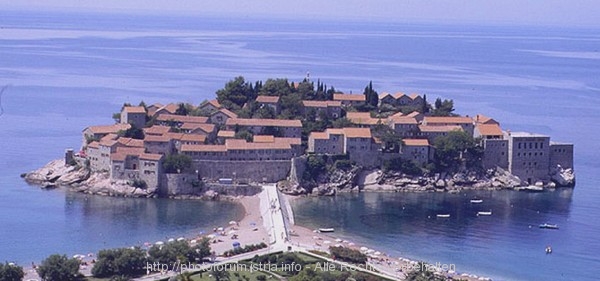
[(68, 71)]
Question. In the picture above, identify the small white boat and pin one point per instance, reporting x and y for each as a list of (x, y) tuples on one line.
[(476, 201), (549, 226), (532, 188), (484, 213), (326, 229), (443, 215), (548, 250)]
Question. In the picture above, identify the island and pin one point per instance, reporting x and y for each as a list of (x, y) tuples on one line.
[(307, 138)]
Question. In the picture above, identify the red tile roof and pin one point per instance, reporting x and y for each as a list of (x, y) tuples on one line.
[(439, 129), (263, 138), (107, 129), (267, 99), (264, 122), (403, 120), (227, 112), (357, 132), (203, 148), (192, 137), (240, 144), (489, 130), (480, 118), (416, 142), (134, 109), (130, 142), (349, 97), (170, 108), (321, 103), (93, 144), (413, 114), (226, 134), (157, 130), (207, 128), (155, 138), (447, 120), (398, 95), (151, 156), (413, 96), (319, 135)]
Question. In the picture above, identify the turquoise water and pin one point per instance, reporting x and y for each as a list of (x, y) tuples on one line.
[(67, 71)]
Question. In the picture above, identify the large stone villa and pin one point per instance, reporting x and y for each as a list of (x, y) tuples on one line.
[(210, 141)]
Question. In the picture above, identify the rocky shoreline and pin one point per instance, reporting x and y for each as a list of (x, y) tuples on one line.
[(78, 178), (361, 180)]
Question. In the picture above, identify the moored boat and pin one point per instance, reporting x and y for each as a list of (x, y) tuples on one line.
[(326, 229), (549, 226), (476, 201), (443, 215), (484, 213)]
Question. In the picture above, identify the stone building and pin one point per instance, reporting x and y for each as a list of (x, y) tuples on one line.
[(270, 101), (417, 150), (465, 123), (349, 99), (285, 128), (332, 109), (220, 116), (529, 156), (134, 115), (433, 132), (561, 154), (92, 133), (357, 143), (134, 164)]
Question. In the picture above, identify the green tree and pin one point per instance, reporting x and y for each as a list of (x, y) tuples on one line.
[(179, 251), (371, 96), (422, 274), (11, 272), (443, 108), (315, 165), (291, 106), (235, 93), (120, 278), (244, 134), (390, 138), (455, 148), (276, 87), (220, 274), (177, 163), (306, 90), (342, 123), (123, 261), (182, 109), (264, 112), (59, 268), (133, 132)]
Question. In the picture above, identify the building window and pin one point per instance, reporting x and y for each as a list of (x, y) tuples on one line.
[(519, 145), (536, 145)]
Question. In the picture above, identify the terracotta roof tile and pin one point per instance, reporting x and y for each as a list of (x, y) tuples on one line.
[(130, 142), (414, 96), (263, 138), (439, 129), (348, 97), (181, 118), (447, 120), (319, 135), (134, 109), (155, 138), (357, 132), (151, 156), (489, 130), (226, 134), (227, 112), (203, 148), (267, 99), (321, 103), (403, 120), (157, 130), (93, 144), (241, 144), (398, 95), (207, 128), (416, 142), (413, 114), (107, 129), (264, 122), (192, 137)]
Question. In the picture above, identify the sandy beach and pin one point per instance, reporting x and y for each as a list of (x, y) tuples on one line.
[(251, 230)]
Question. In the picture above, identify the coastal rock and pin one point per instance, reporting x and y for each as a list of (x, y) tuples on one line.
[(563, 177), (440, 184)]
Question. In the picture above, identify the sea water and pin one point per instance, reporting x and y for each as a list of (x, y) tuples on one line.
[(68, 71)]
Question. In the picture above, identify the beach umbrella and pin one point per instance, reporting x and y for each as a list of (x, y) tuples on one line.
[(377, 253), (236, 244), (232, 222), (220, 229), (252, 223), (364, 249), (338, 245), (326, 242), (171, 240), (159, 243), (350, 244), (231, 232), (211, 236), (338, 240), (194, 241), (370, 251), (180, 239)]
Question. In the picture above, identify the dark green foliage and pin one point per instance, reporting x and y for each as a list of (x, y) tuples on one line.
[(59, 268), (454, 148), (315, 165), (117, 117), (10, 272), (342, 123), (291, 106), (220, 274), (244, 134), (120, 278), (245, 249), (348, 255), (120, 262), (177, 163), (426, 106), (179, 251), (261, 278), (182, 109), (138, 183), (343, 164), (402, 165), (276, 87), (133, 132), (390, 138), (264, 112), (443, 108), (235, 93), (371, 96)]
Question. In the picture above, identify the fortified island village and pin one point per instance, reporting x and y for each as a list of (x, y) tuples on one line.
[(307, 139)]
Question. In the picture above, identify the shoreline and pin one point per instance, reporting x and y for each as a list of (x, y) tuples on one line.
[(250, 230)]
